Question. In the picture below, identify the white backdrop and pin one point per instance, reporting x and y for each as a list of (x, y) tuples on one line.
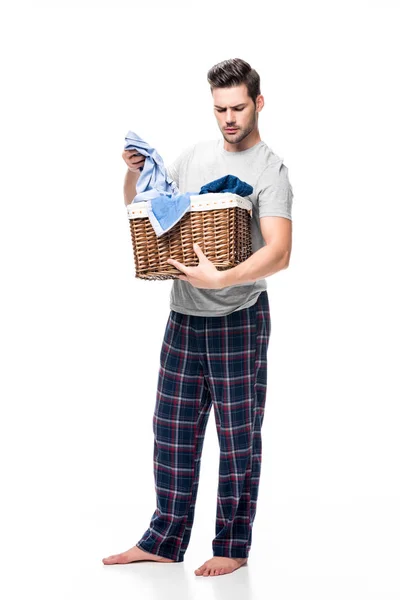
[(81, 337)]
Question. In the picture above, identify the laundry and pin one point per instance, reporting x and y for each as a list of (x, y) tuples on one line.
[(227, 183), (165, 213), (153, 177), (165, 204)]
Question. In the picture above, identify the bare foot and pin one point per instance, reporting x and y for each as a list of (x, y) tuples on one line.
[(220, 565), (132, 555)]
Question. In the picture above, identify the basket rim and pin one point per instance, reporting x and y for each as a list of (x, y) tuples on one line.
[(198, 202)]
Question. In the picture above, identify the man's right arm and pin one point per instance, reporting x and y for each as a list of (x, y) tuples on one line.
[(131, 179)]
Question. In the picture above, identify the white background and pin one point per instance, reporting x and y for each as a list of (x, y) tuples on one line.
[(80, 336)]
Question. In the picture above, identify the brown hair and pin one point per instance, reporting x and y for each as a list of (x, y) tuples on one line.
[(234, 71)]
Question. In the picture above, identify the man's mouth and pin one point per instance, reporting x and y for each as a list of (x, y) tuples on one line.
[(230, 129)]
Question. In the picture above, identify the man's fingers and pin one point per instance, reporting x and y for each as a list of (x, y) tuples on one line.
[(136, 160), (179, 266), (136, 163), (133, 155)]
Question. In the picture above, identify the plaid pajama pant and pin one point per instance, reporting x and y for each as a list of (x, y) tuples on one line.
[(204, 360)]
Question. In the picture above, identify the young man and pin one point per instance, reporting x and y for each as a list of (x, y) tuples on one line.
[(215, 345)]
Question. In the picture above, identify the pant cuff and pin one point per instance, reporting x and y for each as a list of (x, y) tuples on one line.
[(234, 553), (143, 547)]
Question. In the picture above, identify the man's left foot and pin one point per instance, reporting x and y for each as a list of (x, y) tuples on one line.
[(220, 565)]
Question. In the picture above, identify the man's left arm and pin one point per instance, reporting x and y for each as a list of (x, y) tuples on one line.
[(274, 199), (275, 256)]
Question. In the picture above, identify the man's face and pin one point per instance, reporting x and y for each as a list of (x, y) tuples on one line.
[(234, 109)]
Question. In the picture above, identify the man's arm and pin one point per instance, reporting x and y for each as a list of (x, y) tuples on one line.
[(131, 179), (275, 256), (275, 196)]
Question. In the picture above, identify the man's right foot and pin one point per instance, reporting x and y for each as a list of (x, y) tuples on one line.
[(132, 555)]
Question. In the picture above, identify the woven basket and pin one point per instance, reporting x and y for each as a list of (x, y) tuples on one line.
[(219, 222)]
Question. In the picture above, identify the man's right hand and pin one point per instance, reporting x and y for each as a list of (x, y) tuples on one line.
[(134, 160)]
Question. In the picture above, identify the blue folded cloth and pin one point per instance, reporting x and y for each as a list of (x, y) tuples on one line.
[(164, 212), (165, 205), (227, 183)]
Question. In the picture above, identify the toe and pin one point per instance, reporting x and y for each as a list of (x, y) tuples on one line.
[(202, 568)]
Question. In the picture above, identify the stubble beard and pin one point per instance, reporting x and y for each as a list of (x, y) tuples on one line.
[(240, 135)]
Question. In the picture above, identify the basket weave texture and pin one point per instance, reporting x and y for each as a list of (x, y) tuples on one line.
[(224, 235)]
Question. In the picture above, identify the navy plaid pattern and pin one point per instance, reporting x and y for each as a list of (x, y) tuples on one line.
[(203, 360)]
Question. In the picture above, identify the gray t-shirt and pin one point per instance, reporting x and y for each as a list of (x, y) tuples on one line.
[(272, 195)]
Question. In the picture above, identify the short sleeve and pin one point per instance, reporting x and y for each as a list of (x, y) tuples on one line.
[(274, 192)]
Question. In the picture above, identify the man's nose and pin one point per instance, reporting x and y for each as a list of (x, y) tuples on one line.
[(229, 117)]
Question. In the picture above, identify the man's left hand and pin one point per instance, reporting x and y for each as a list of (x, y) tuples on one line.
[(205, 275)]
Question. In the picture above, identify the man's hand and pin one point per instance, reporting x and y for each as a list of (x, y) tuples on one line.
[(134, 160), (205, 275)]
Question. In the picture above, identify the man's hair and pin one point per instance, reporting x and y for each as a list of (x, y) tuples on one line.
[(234, 71)]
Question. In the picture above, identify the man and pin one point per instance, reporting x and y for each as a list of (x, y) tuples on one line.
[(215, 345)]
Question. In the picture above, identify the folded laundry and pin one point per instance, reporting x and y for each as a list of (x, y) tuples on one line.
[(227, 183), (165, 204)]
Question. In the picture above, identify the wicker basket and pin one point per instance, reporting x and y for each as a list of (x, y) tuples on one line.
[(219, 222)]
